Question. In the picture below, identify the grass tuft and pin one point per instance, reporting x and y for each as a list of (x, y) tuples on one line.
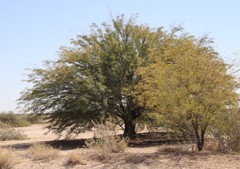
[(75, 158), (42, 152), (7, 159)]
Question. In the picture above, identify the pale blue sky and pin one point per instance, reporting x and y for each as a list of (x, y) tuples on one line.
[(33, 30)]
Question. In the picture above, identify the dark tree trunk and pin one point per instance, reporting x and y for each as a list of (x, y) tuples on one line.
[(129, 130), (130, 115), (199, 136), (199, 140)]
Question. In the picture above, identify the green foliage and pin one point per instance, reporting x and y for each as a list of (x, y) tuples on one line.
[(187, 86), (33, 118), (134, 75), (94, 79)]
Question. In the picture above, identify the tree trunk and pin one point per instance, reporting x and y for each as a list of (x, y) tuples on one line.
[(129, 130), (199, 137), (200, 141)]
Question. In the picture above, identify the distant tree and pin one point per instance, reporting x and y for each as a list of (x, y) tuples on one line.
[(187, 86), (94, 79)]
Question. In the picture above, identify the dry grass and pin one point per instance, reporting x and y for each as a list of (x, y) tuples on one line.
[(170, 149), (106, 141), (212, 145), (7, 159), (75, 158), (42, 152), (177, 149), (108, 144)]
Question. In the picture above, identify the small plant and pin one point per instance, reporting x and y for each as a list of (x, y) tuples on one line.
[(106, 141), (42, 152), (11, 134), (75, 158), (7, 159)]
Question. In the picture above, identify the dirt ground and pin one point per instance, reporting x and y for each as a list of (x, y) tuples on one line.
[(134, 157)]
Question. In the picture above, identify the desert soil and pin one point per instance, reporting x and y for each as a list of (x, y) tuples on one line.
[(133, 158)]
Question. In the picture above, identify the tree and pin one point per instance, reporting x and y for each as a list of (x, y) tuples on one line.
[(187, 86), (93, 80)]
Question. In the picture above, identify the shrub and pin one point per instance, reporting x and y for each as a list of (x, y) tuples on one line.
[(7, 159), (12, 120), (228, 140), (106, 141), (227, 131), (12, 134), (42, 152), (75, 158)]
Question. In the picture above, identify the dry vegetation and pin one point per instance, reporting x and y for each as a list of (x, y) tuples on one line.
[(9, 121), (7, 159), (149, 150), (106, 141), (42, 152), (11, 134), (75, 158)]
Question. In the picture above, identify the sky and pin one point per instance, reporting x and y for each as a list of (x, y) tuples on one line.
[(33, 31)]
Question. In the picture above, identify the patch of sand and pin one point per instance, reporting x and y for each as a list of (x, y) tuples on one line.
[(132, 158)]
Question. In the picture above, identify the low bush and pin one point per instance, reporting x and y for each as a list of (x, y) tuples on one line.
[(227, 131), (12, 134), (42, 152), (12, 120), (227, 140), (106, 141)]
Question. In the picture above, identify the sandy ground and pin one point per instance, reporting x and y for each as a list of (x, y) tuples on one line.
[(38, 133), (133, 158)]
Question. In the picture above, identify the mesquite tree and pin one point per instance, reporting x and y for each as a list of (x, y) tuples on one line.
[(187, 86), (93, 80)]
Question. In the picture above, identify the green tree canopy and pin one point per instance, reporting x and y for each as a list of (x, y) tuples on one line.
[(93, 80), (186, 86)]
